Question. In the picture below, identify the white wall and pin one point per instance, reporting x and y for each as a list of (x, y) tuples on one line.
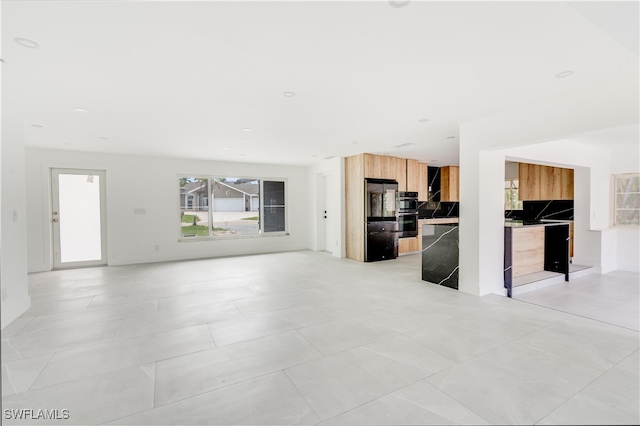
[(327, 177), (13, 226), (482, 145), (627, 160), (152, 184)]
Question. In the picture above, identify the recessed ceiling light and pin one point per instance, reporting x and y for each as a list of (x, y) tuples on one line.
[(80, 110), (26, 43), (564, 74), (289, 94), (451, 137), (398, 4), (36, 125), (423, 120), (246, 129)]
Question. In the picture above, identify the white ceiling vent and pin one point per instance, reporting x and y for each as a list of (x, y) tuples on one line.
[(404, 145)]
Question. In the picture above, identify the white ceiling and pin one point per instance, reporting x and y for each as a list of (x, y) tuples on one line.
[(183, 79)]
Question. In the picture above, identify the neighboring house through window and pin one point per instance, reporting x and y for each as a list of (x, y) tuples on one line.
[(231, 207)]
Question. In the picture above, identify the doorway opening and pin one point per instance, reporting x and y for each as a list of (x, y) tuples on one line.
[(78, 206)]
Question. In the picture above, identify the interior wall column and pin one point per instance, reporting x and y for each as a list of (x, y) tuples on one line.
[(481, 219)]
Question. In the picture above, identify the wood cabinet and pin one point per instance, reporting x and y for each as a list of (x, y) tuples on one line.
[(538, 182), (528, 250), (401, 174), (408, 245), (417, 178), (354, 167), (450, 183), (571, 239)]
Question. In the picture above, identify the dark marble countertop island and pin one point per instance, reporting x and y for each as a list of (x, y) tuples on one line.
[(440, 254)]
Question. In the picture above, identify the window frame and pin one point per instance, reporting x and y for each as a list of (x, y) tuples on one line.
[(512, 186), (210, 210), (615, 194)]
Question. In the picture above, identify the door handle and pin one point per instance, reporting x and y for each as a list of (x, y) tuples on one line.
[(55, 220)]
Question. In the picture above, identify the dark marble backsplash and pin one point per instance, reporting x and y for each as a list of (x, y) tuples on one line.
[(541, 210), (428, 210)]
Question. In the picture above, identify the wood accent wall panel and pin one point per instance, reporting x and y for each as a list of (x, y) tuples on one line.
[(450, 183), (354, 206), (528, 250)]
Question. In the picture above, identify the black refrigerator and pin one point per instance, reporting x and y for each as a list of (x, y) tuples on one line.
[(381, 212)]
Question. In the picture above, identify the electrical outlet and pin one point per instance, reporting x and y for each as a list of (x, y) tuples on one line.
[(4, 294)]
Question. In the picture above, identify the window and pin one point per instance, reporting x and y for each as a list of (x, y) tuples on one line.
[(627, 199), (511, 201), (229, 207)]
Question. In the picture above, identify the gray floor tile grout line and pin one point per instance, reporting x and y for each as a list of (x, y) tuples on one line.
[(450, 396), (302, 395), (580, 316), (39, 374), (595, 379), (213, 339), (17, 333), (220, 388), (115, 332)]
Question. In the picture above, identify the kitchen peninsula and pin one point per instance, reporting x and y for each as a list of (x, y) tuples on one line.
[(534, 246), (440, 251)]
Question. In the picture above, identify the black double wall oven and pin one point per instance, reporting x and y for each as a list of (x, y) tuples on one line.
[(407, 214)]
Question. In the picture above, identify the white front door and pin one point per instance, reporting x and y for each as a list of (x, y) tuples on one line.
[(78, 217)]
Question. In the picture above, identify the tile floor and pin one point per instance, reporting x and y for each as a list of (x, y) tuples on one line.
[(305, 338)]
